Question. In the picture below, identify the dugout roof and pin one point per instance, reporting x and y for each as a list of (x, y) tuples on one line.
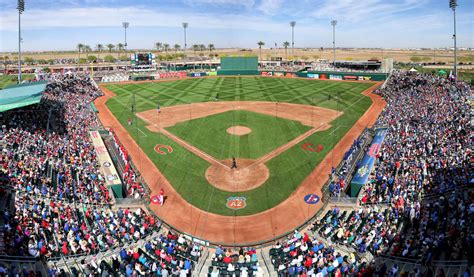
[(22, 95)]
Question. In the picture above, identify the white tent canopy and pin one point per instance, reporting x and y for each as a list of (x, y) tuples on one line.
[(413, 70)]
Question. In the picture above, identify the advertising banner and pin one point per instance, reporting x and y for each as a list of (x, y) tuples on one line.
[(313, 76), (106, 165), (169, 75), (290, 75), (265, 73), (335, 77), (323, 76), (367, 163), (279, 74), (350, 77), (198, 74), (211, 73)]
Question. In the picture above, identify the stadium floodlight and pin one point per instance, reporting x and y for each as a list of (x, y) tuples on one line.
[(334, 23), (185, 26), (21, 8), (293, 24), (453, 4), (125, 25)]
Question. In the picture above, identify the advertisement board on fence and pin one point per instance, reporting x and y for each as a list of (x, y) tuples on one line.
[(313, 76), (106, 165), (170, 75), (211, 73), (335, 77), (198, 74), (367, 163), (279, 74), (266, 73), (350, 77)]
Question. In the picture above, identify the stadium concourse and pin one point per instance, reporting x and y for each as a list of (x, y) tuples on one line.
[(414, 217)]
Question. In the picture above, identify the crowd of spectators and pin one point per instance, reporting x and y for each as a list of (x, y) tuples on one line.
[(49, 164), (303, 255), (242, 261), (425, 153)]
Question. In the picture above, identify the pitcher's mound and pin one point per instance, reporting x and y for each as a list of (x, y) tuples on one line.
[(238, 130), (243, 178)]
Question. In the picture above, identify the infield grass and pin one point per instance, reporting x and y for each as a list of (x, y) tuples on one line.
[(186, 171), (223, 145)]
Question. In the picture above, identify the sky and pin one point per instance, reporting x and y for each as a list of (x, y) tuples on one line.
[(62, 24)]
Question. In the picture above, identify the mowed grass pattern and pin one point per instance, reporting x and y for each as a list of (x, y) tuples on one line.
[(223, 145), (186, 170)]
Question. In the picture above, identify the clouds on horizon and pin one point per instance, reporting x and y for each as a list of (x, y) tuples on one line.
[(229, 23)]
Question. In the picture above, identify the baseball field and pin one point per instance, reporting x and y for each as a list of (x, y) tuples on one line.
[(278, 130)]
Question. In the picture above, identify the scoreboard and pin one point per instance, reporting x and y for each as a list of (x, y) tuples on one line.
[(143, 59)]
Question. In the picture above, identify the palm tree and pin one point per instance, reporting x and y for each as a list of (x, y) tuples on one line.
[(195, 48), (260, 44), (87, 49), (167, 47), (286, 44), (99, 47), (211, 47), (120, 48), (110, 46), (176, 47), (80, 47), (158, 46)]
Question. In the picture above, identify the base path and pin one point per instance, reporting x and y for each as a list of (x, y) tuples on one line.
[(242, 230)]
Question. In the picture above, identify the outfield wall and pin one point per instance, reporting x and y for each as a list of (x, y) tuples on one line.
[(322, 75)]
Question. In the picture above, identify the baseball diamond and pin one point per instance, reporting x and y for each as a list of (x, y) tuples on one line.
[(292, 112)]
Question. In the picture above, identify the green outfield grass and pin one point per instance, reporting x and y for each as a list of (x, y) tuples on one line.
[(223, 145), (186, 171), (6, 80)]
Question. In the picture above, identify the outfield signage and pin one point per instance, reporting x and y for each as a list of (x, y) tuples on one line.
[(367, 163), (106, 165), (171, 75)]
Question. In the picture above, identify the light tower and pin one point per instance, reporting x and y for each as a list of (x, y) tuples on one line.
[(125, 25), (185, 26), (453, 4), (293, 24), (334, 23), (21, 8)]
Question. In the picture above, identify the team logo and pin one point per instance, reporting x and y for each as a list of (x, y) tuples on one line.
[(112, 177), (308, 146), (107, 164), (236, 202), (168, 149), (311, 199), (363, 171), (374, 149)]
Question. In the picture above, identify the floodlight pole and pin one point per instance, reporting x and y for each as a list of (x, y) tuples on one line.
[(21, 9), (125, 25), (185, 26), (453, 4), (293, 24), (333, 23)]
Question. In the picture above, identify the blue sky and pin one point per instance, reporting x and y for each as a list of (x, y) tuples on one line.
[(61, 24)]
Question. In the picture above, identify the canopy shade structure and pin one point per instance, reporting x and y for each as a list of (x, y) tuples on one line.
[(22, 95), (413, 70)]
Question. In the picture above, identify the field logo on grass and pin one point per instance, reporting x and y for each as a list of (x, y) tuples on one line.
[(308, 146), (168, 148), (311, 199), (236, 202)]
